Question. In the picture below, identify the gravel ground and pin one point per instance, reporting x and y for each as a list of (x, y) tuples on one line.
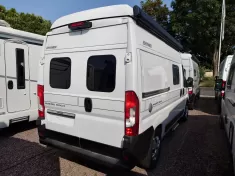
[(197, 148)]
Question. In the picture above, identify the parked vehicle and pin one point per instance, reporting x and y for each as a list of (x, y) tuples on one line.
[(228, 105), (19, 56), (110, 86), (223, 74), (190, 63)]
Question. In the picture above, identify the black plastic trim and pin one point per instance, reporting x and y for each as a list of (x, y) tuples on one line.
[(138, 146), (174, 120), (155, 92), (62, 114)]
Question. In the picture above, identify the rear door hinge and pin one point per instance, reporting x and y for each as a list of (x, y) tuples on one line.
[(128, 58)]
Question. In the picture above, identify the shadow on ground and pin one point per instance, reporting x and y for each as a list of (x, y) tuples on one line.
[(21, 157), (207, 105)]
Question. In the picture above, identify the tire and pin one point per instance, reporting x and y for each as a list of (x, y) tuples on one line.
[(221, 122), (185, 116), (150, 161)]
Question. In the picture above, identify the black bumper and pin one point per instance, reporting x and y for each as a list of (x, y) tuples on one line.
[(134, 148)]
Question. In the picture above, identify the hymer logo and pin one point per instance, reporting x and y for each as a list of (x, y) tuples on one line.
[(147, 44)]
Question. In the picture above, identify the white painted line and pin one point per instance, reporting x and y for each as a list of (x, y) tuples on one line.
[(207, 96)]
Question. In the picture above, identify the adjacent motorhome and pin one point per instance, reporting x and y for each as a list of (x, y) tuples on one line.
[(191, 66), (223, 75), (19, 57), (226, 119), (110, 86)]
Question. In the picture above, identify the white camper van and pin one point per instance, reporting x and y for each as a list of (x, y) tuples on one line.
[(110, 86), (19, 56), (223, 74), (227, 120), (190, 63)]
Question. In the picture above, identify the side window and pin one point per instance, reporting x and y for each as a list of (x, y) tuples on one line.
[(176, 74), (20, 68), (231, 77), (60, 73), (195, 73), (184, 76), (101, 73)]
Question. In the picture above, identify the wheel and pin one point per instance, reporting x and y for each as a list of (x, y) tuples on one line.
[(185, 116), (221, 122), (153, 155)]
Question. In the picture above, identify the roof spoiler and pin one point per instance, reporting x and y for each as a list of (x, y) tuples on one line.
[(146, 22)]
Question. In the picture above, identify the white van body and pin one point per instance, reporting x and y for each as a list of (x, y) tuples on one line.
[(19, 56), (142, 68), (191, 67), (224, 67), (227, 120)]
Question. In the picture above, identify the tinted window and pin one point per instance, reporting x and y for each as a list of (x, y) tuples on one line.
[(101, 73), (20, 68), (195, 73), (176, 74), (60, 73), (184, 76), (231, 77)]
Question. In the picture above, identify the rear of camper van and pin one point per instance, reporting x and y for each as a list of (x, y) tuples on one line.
[(106, 85)]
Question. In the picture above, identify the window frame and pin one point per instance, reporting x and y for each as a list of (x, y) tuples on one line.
[(115, 73), (20, 83), (50, 75)]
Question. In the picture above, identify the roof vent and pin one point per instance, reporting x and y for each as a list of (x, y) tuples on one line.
[(4, 24)]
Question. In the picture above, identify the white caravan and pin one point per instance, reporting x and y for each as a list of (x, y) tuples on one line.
[(110, 86), (227, 120), (190, 64), (223, 74), (19, 56)]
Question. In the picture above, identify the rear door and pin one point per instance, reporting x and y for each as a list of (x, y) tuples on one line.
[(85, 94), (17, 77)]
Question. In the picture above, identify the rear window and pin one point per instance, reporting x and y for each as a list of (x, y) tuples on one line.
[(60, 73), (101, 73)]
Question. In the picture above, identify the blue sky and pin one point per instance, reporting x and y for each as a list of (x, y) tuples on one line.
[(53, 9)]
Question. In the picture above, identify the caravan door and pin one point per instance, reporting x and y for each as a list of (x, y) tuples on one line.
[(17, 77)]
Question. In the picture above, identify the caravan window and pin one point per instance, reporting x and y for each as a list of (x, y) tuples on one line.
[(20, 68), (60, 73), (195, 73), (176, 74), (101, 73)]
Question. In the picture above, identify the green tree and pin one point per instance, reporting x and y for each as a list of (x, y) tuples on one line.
[(25, 21), (157, 10), (197, 25)]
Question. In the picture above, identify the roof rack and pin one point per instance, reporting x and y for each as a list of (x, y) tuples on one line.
[(146, 22)]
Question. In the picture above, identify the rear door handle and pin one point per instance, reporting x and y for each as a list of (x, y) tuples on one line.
[(10, 84), (88, 104)]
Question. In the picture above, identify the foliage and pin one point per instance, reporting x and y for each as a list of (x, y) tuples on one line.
[(202, 71), (197, 25), (25, 21), (208, 82), (157, 10)]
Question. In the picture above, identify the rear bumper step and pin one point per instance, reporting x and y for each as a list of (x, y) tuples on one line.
[(106, 160), (20, 119)]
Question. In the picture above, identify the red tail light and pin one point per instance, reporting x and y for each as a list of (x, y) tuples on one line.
[(190, 91), (41, 106), (223, 85), (131, 114)]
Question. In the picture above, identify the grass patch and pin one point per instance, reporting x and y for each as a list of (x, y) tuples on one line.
[(208, 82)]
